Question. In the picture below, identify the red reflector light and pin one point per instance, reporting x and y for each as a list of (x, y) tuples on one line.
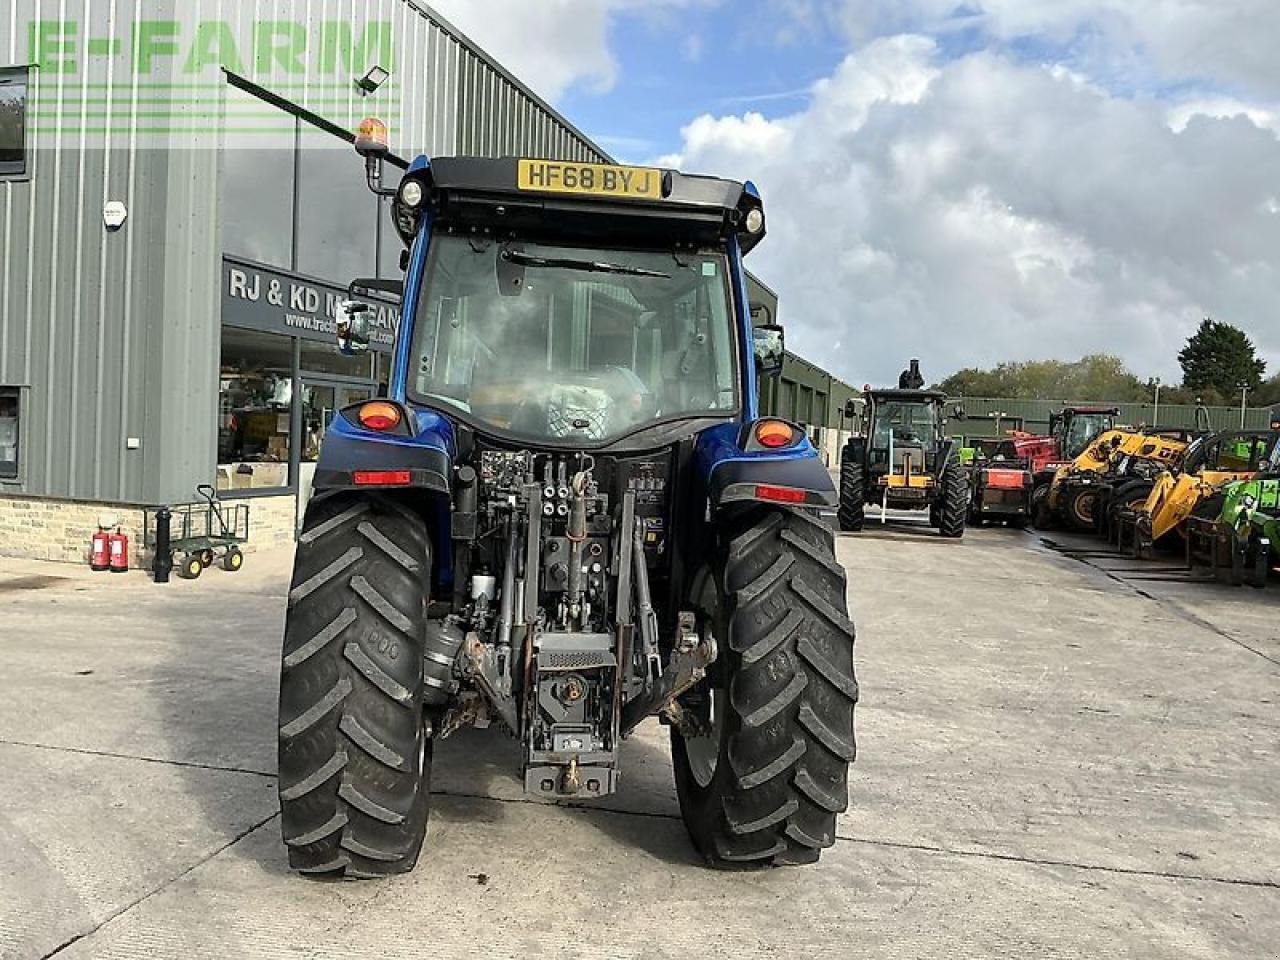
[(781, 494), (379, 416), (775, 434), (383, 478)]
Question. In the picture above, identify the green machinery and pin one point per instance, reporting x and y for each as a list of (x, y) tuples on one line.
[(1237, 532)]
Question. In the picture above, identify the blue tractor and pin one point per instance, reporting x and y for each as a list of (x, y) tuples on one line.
[(567, 516)]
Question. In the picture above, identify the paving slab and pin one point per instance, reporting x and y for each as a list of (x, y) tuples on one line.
[(516, 880), (1052, 763), (83, 836)]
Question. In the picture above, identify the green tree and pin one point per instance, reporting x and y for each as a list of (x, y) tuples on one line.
[(1268, 394), (1095, 377), (1221, 357)]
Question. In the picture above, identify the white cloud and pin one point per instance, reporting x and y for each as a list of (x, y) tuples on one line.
[(550, 45), (1222, 108), (553, 45), (979, 209), (1233, 41)]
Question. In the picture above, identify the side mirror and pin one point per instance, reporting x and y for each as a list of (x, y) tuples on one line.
[(850, 409), (351, 326), (770, 344)]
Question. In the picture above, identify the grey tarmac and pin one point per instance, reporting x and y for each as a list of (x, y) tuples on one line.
[(1054, 761)]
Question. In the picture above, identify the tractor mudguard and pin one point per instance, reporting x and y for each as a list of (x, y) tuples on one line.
[(416, 456), (417, 453), (735, 473)]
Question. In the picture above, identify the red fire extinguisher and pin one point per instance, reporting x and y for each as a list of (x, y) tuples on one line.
[(119, 552), (100, 552)]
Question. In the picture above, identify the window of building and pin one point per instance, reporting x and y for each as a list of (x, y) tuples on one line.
[(257, 201), (13, 122), (9, 436), (321, 357), (390, 246), (255, 407), (337, 215)]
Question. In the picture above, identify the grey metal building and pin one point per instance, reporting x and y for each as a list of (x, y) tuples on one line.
[(190, 343)]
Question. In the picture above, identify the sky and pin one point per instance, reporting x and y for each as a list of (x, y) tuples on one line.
[(965, 182)]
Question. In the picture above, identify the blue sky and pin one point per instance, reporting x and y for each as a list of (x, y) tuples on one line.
[(684, 63)]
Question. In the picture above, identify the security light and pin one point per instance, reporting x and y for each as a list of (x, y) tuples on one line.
[(372, 80)]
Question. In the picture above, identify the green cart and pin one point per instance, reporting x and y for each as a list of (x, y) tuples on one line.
[(203, 533)]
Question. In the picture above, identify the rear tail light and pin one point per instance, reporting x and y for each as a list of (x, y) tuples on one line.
[(775, 434), (383, 478), (780, 494), (379, 416)]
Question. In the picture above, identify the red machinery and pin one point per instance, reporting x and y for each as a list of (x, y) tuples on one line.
[(1070, 431)]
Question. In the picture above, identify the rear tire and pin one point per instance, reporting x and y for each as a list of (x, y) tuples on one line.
[(1080, 507), (954, 507), (354, 755), (1128, 496), (853, 505), (766, 790), (1041, 514)]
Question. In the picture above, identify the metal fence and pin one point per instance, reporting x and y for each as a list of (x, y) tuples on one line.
[(993, 416)]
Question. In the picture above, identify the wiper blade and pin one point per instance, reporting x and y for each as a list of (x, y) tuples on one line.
[(589, 266)]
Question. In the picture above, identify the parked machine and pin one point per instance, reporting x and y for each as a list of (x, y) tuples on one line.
[(1000, 491), (1236, 533), (901, 459), (1148, 512), (565, 517), (1080, 491), (1071, 430)]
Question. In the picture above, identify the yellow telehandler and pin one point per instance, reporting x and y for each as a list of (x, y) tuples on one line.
[(1173, 495), (1112, 460)]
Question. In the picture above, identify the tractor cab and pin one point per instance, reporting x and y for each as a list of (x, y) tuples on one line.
[(1074, 427), (904, 435)]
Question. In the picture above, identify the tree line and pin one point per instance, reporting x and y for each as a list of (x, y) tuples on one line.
[(1218, 362)]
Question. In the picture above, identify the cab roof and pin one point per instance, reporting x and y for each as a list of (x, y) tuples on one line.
[(908, 396), (581, 201)]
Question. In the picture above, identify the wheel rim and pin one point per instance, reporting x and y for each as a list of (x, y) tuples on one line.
[(704, 751), (1085, 507)]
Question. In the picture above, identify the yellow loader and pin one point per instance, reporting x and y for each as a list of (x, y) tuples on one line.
[(1080, 492), (1210, 465)]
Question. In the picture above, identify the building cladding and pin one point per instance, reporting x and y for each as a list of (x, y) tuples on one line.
[(110, 339)]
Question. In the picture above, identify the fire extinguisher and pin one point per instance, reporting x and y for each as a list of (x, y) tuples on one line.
[(119, 552), (100, 552)]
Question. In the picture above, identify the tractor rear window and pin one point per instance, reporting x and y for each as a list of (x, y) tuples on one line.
[(904, 424), (559, 344)]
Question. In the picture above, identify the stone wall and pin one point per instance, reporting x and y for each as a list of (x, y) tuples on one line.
[(32, 528)]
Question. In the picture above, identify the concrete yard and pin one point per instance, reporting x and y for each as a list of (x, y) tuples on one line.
[(1055, 761)]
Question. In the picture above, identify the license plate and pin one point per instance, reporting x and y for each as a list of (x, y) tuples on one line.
[(590, 179)]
